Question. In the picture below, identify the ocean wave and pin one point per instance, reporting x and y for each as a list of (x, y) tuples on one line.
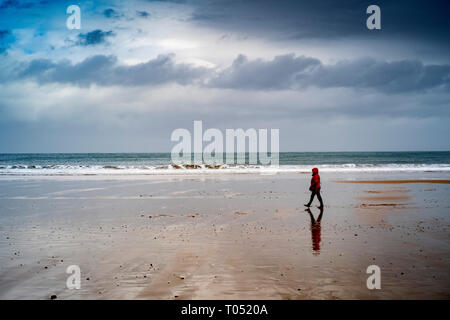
[(21, 169)]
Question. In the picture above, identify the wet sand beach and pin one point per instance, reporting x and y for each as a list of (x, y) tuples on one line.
[(225, 236), (397, 181)]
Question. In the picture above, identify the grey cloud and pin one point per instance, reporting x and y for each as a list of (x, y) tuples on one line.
[(143, 14), (284, 72), (111, 13), (390, 77), (290, 72), (85, 124), (94, 37), (6, 38), (258, 74), (104, 70)]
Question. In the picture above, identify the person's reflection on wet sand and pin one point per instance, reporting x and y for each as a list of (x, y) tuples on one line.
[(315, 230)]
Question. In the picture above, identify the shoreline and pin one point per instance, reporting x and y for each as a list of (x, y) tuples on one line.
[(333, 176)]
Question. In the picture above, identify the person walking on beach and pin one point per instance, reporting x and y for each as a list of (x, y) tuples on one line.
[(315, 188)]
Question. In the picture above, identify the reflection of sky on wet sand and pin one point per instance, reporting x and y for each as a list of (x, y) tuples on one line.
[(271, 251)]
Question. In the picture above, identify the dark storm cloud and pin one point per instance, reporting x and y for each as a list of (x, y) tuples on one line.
[(290, 72), (326, 18), (103, 70), (93, 37)]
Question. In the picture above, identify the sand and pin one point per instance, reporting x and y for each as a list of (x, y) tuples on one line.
[(229, 236), (397, 181)]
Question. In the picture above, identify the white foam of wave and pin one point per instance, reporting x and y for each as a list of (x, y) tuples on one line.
[(35, 170)]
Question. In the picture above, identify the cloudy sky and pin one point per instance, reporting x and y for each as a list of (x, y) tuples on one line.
[(137, 70)]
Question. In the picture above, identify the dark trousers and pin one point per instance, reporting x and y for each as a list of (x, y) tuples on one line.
[(313, 194)]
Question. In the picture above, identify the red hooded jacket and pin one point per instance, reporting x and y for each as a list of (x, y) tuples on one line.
[(315, 180)]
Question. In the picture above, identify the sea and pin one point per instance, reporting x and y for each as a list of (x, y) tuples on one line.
[(29, 164)]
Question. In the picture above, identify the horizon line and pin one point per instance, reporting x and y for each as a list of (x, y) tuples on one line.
[(150, 152)]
